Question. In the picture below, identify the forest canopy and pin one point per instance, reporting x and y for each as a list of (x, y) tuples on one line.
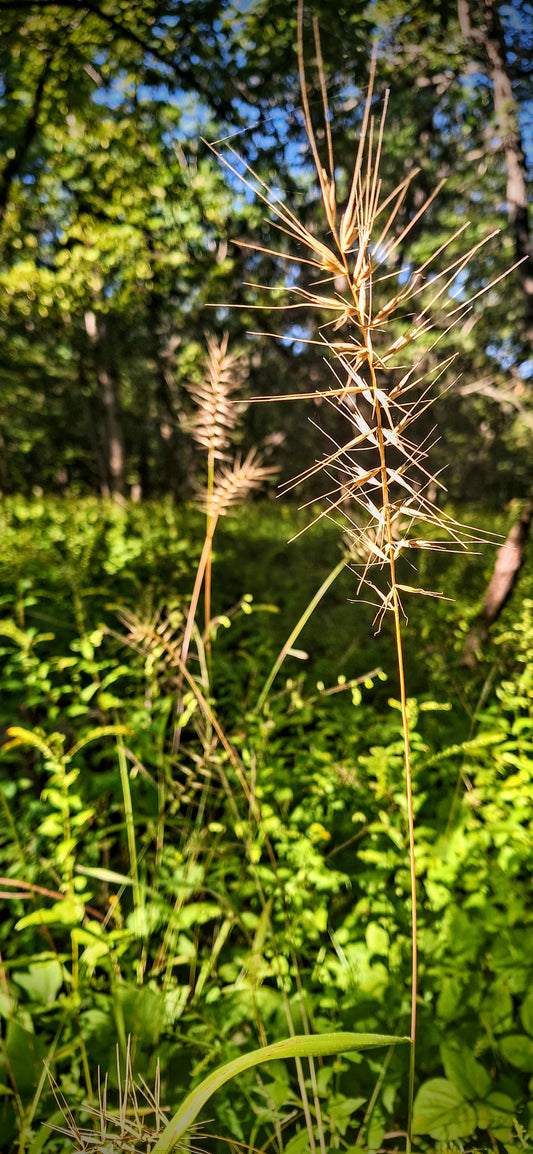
[(123, 237)]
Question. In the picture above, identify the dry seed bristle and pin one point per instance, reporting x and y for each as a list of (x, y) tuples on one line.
[(133, 1127), (377, 406), (233, 484)]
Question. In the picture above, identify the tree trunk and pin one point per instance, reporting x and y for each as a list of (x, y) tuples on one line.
[(175, 448), (110, 426), (481, 26), (509, 562), (16, 159), (3, 464), (488, 41)]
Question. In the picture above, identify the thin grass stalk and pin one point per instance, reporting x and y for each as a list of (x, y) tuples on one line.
[(396, 604), (209, 561), (302, 621), (132, 845), (205, 559), (32, 1108), (374, 1096), (230, 486), (311, 1062), (412, 862), (215, 420), (361, 300), (212, 519)]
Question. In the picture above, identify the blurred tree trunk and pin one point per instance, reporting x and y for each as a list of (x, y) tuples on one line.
[(175, 448), (91, 425), (3, 464), (482, 28), (109, 423), (18, 152), (509, 562)]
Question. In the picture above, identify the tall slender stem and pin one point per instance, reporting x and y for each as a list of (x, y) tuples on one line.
[(132, 846), (412, 863), (308, 612), (396, 610), (210, 533), (200, 573)]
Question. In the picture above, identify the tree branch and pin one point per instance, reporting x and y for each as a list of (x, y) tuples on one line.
[(184, 75), (15, 162)]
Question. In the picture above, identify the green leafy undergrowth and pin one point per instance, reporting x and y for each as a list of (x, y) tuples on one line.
[(203, 897)]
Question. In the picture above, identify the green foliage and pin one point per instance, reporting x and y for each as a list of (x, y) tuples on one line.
[(112, 209), (145, 899)]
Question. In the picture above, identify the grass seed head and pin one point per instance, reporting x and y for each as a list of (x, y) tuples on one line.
[(379, 482), (217, 411)]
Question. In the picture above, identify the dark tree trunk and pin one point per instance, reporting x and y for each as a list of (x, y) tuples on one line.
[(481, 26), (3, 464), (91, 425), (15, 162), (509, 562), (110, 426), (175, 448)]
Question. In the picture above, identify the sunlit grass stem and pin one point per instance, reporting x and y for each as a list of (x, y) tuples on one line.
[(295, 633), (132, 845)]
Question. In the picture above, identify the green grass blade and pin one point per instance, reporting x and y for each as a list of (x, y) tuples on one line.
[(297, 630), (300, 1046)]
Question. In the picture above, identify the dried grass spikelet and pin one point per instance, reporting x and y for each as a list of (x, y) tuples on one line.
[(217, 415), (229, 486), (130, 1127), (379, 465), (217, 412), (233, 483)]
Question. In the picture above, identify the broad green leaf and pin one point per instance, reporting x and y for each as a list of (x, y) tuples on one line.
[(300, 1046), (197, 913), (143, 1011), (342, 1112), (377, 939), (471, 1078), (526, 1013), (23, 1053), (518, 1050), (86, 649), (41, 981), (276, 1091), (496, 1113), (497, 1007), (441, 1111), (298, 1144)]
